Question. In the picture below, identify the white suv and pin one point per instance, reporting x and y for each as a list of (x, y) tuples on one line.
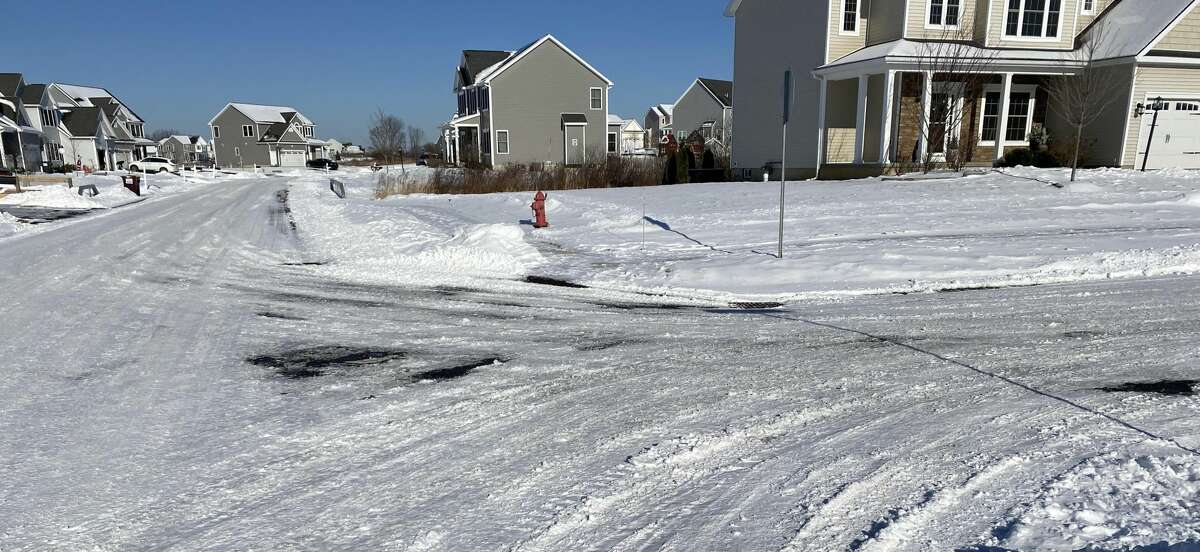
[(152, 165)]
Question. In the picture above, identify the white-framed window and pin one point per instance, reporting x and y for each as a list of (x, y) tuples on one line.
[(1087, 7), (597, 97), (216, 132), (247, 131), (237, 152), (1021, 105), (612, 142), (943, 14), (502, 142), (849, 17), (1033, 19)]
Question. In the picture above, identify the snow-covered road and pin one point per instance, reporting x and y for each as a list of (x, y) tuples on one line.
[(177, 377)]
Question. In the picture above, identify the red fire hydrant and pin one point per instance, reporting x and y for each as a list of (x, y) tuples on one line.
[(539, 211)]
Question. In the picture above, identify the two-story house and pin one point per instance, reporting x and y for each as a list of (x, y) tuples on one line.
[(185, 150), (538, 104), (124, 139), (872, 69), (706, 108), (247, 135), (20, 142), (658, 122)]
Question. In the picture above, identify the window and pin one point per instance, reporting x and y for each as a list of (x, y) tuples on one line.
[(1088, 7), (502, 142), (612, 142), (1019, 110), (850, 17), (216, 132), (237, 152), (462, 103), (484, 100), (248, 131), (1182, 106), (49, 117), (1033, 18), (1020, 115), (944, 13), (597, 98), (472, 102)]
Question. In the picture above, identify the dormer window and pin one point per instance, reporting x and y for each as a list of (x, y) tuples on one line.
[(944, 13), (850, 17), (1033, 18), (1088, 7)]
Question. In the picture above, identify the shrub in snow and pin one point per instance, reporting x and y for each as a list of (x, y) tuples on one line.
[(1024, 157)]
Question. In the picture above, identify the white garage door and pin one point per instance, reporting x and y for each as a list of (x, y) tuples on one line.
[(1176, 138), (291, 158)]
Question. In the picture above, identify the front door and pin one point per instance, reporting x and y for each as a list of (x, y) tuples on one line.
[(576, 144), (945, 118), (1176, 138)]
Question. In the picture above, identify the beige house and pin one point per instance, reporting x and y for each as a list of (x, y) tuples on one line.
[(869, 93)]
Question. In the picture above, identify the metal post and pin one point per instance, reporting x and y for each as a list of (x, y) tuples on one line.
[(1153, 124), (787, 107)]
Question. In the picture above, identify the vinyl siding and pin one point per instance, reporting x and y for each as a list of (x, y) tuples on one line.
[(1085, 20), (885, 21), (771, 35), (695, 108), (841, 108), (918, 13), (841, 45), (252, 152), (1170, 82), (1104, 139), (1068, 28), (1185, 37), (529, 98)]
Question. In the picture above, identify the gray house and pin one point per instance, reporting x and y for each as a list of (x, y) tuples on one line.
[(539, 104), (186, 150), (658, 122), (705, 107), (20, 142), (247, 135)]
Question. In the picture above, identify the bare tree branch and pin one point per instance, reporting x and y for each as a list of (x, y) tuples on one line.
[(959, 70), (1083, 98)]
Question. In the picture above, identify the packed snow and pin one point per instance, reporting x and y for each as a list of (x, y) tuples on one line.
[(283, 369)]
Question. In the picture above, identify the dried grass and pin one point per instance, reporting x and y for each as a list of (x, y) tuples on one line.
[(615, 172)]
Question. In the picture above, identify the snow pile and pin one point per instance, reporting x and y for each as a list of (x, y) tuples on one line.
[(53, 197), (366, 239), (1114, 503), (9, 225), (717, 241)]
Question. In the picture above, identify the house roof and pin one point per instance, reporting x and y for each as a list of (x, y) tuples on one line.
[(574, 119), (82, 121), (632, 126), (722, 90), (1133, 28), (89, 96), (265, 113), (904, 51), (475, 62), (492, 72), (615, 119), (32, 94), (10, 84)]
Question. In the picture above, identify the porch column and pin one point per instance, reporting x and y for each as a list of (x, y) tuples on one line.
[(3, 157), (860, 124), (820, 128), (926, 101), (1002, 128), (885, 129), (21, 151)]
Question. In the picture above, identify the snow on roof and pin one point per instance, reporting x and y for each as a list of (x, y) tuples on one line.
[(83, 94), (908, 51), (267, 113), (615, 119), (1130, 27), (182, 138)]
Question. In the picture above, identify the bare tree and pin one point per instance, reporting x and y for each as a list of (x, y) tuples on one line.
[(959, 69), (416, 137), (387, 137), (164, 133), (1082, 99)]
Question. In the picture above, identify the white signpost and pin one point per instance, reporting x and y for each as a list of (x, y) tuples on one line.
[(787, 112)]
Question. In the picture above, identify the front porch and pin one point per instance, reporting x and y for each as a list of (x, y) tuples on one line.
[(462, 141), (20, 147), (886, 115)]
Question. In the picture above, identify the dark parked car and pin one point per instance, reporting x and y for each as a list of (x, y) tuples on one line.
[(323, 164), (428, 159)]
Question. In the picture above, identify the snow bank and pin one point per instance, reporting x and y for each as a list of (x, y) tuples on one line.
[(9, 225), (54, 197), (717, 241), (362, 238), (1114, 503)]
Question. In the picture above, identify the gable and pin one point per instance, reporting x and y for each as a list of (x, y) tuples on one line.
[(540, 47), (1185, 37), (550, 64), (292, 134)]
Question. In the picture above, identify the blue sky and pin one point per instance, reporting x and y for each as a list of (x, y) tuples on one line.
[(177, 63)]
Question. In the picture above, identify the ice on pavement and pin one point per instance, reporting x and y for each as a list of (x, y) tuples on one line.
[(144, 408)]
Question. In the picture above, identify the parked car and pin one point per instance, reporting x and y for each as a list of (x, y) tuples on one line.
[(152, 165), (427, 158), (328, 164)]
